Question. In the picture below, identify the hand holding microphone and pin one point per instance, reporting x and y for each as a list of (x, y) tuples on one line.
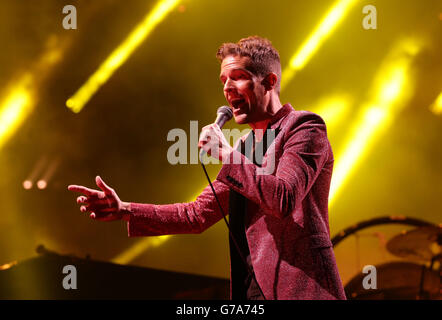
[(212, 140)]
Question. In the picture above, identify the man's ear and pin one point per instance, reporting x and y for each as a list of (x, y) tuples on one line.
[(269, 81)]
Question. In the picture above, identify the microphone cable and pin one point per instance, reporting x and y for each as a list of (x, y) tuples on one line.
[(249, 270)]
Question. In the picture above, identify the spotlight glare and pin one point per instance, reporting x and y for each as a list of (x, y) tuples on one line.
[(436, 107), (120, 55), (391, 91), (27, 184), (316, 38), (13, 112), (138, 248), (333, 109), (21, 97), (42, 184)]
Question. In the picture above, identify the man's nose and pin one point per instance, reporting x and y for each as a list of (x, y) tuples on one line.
[(228, 86)]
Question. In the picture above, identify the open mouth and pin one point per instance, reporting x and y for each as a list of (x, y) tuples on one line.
[(237, 103)]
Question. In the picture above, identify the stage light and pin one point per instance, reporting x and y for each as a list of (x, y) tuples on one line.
[(42, 184), (391, 89), (15, 108), (120, 55), (316, 38), (36, 170), (333, 109), (9, 265), (359, 142), (27, 184), (20, 97), (138, 248), (50, 170), (436, 107)]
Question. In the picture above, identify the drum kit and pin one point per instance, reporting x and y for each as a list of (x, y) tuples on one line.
[(417, 278)]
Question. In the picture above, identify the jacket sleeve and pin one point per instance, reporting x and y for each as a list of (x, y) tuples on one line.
[(305, 150), (192, 217)]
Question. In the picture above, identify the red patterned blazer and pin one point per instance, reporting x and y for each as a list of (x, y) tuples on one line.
[(286, 222)]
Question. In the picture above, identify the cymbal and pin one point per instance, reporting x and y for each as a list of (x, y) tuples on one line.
[(420, 244)]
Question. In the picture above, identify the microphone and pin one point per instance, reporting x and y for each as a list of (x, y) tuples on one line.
[(223, 114)]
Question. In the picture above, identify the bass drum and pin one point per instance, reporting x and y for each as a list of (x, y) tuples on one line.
[(398, 280)]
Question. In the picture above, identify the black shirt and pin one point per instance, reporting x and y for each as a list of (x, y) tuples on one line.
[(243, 284)]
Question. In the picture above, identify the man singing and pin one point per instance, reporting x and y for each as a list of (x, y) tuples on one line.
[(281, 246)]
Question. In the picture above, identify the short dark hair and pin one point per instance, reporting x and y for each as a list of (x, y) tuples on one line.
[(264, 58)]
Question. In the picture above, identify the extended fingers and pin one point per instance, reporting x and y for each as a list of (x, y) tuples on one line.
[(83, 190), (103, 186)]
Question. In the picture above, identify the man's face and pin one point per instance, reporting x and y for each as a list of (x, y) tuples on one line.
[(242, 89)]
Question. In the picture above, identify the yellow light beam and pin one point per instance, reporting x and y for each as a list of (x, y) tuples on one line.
[(20, 98), (333, 109), (392, 90), (14, 110), (316, 38), (120, 54), (436, 107), (138, 248), (361, 139)]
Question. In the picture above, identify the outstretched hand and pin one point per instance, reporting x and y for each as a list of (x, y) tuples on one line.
[(104, 205)]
